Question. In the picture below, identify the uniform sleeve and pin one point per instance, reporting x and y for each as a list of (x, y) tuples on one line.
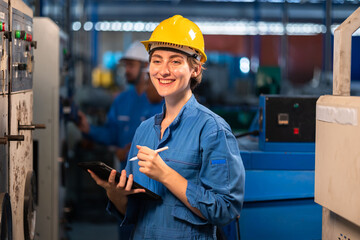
[(107, 133), (130, 215), (220, 194)]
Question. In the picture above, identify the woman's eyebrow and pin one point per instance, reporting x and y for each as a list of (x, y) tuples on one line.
[(171, 57), (175, 56), (156, 55)]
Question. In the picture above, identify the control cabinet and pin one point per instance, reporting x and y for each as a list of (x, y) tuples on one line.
[(287, 123), (21, 176), (337, 162), (17, 179), (46, 89), (4, 82), (5, 205)]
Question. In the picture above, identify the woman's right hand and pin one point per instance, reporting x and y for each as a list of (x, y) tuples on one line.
[(117, 193)]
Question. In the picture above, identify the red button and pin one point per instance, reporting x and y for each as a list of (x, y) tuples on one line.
[(296, 131)]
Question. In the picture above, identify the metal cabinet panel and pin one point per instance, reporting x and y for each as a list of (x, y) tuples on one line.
[(46, 110), (337, 163), (20, 155), (3, 147), (4, 74)]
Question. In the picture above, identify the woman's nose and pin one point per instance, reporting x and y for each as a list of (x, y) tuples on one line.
[(164, 70)]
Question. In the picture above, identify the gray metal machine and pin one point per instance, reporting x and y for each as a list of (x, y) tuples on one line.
[(5, 205), (21, 183), (337, 162), (47, 142), (17, 178)]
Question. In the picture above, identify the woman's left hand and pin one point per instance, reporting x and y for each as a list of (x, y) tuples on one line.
[(151, 164)]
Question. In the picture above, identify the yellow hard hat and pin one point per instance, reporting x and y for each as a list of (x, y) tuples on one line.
[(179, 33)]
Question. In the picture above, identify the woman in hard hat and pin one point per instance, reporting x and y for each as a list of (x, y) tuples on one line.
[(201, 176)]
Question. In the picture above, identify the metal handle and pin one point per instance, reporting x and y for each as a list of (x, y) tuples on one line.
[(342, 54), (14, 137), (3, 140), (32, 127)]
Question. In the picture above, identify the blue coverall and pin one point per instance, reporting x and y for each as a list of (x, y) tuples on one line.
[(203, 150)]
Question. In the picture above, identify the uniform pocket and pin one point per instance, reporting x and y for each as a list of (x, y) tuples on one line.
[(186, 164), (185, 214)]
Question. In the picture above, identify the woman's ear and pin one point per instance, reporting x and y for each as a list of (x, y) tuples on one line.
[(196, 71)]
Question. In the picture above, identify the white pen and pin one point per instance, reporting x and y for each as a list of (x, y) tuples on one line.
[(157, 150)]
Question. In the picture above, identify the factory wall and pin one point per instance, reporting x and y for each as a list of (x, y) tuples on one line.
[(305, 53)]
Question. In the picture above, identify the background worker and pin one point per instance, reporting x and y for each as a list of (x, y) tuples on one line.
[(201, 176), (129, 108)]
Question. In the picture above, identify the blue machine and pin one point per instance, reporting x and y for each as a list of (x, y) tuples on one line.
[(280, 162)]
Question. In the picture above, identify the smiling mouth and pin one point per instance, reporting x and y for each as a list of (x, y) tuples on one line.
[(166, 81)]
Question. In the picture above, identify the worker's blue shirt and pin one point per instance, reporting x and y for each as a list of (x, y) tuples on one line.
[(126, 113), (203, 150)]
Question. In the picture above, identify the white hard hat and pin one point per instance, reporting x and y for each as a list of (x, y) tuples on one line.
[(136, 51)]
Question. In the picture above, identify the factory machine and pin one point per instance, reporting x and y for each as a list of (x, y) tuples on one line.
[(51, 42), (337, 169), (5, 205), (279, 163), (17, 179)]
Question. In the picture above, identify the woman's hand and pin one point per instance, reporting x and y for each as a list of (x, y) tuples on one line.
[(154, 167), (151, 164), (117, 193)]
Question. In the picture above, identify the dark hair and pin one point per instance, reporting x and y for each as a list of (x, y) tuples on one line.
[(195, 81)]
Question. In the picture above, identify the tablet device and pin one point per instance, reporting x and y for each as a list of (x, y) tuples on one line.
[(103, 171)]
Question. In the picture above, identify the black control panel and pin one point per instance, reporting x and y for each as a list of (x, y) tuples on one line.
[(290, 119)]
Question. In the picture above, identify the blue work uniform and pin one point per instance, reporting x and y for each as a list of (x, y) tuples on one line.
[(125, 115), (204, 151)]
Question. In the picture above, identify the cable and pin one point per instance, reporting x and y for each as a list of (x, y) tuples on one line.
[(254, 133)]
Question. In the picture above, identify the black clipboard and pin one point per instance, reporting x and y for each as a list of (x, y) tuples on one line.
[(103, 171)]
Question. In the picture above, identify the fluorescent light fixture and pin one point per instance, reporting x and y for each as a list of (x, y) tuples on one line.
[(88, 26), (216, 27), (244, 65), (76, 26)]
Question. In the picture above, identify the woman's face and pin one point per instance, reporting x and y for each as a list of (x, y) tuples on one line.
[(170, 73)]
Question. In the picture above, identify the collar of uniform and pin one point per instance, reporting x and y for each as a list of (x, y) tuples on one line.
[(159, 117), (189, 104)]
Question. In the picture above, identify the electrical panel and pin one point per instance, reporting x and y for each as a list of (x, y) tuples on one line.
[(5, 205), (287, 123), (4, 83), (16, 122), (20, 117), (21, 51)]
